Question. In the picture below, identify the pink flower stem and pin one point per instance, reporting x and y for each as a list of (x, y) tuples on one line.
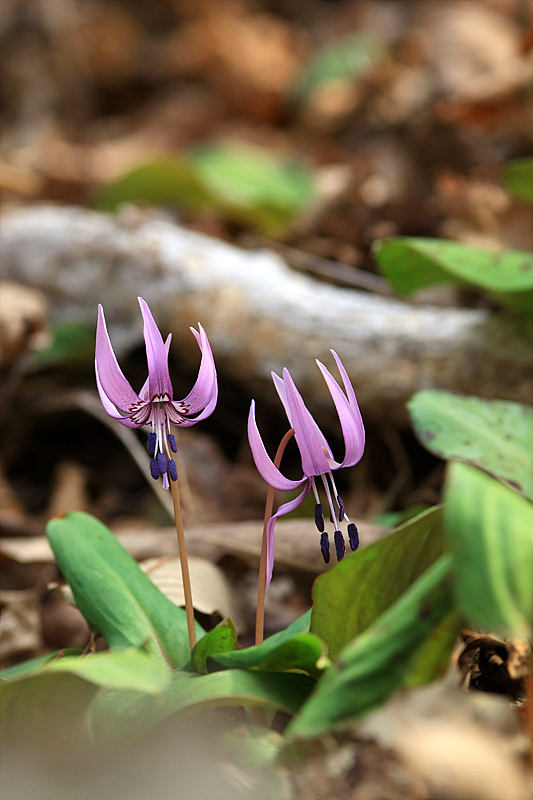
[(269, 506), (189, 608)]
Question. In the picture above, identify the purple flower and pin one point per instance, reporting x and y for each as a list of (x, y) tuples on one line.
[(317, 458), (154, 405)]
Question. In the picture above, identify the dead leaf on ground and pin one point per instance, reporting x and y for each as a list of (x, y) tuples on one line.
[(20, 624), (212, 592), (22, 319)]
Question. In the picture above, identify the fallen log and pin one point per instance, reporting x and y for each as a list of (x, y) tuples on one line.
[(259, 314)]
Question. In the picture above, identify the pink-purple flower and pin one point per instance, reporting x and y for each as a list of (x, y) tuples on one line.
[(154, 405), (317, 457)]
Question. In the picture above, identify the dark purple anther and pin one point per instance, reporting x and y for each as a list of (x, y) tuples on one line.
[(172, 444), (340, 547), (341, 508), (172, 471), (154, 469), (152, 441), (353, 535), (162, 463), (324, 546), (319, 517)]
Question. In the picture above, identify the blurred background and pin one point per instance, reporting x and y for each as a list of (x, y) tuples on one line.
[(311, 127)]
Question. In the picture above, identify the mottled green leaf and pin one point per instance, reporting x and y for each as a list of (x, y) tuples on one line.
[(414, 263), (377, 663), (351, 596), (490, 528), (112, 592), (518, 177), (496, 435)]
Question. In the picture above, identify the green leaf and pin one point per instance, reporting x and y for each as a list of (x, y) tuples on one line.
[(351, 596), (167, 180), (120, 715), (289, 649), (33, 664), (54, 701), (300, 625), (221, 639), (48, 710), (433, 657), (346, 59), (73, 343), (495, 435), (518, 177), (304, 652), (128, 670), (490, 528), (413, 263), (377, 663), (252, 186), (112, 592)]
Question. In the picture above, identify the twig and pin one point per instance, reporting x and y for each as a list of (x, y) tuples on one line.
[(326, 268)]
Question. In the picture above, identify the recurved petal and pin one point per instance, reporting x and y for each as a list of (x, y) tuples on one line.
[(205, 390), (286, 508), (280, 388), (159, 384), (183, 422), (306, 431), (351, 422), (351, 395), (110, 379), (110, 409), (263, 462), (144, 393)]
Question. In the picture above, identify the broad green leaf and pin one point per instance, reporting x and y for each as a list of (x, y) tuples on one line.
[(351, 596), (495, 435), (518, 177), (221, 639), (300, 625), (413, 263), (127, 715), (377, 663), (112, 592), (252, 185), (31, 665), (433, 657), (128, 670), (167, 180), (48, 711), (304, 652), (346, 59), (291, 648), (490, 528), (255, 656)]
